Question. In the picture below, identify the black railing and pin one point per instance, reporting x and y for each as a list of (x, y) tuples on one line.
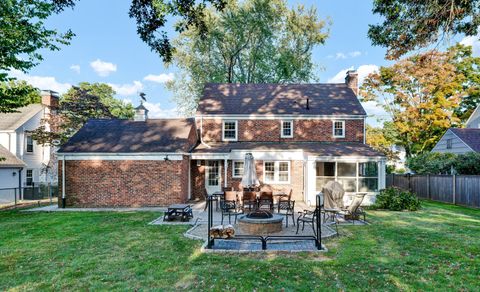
[(265, 239)]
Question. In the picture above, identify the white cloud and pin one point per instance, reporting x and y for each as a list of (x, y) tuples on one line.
[(362, 71), (474, 42), (41, 82), (340, 56), (161, 78), (354, 54), (102, 68), (127, 89), (156, 111), (75, 68)]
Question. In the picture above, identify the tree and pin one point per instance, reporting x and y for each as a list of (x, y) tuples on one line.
[(383, 140), (411, 24), (421, 94), (445, 163), (256, 41), (22, 36), (77, 106), (151, 16), (15, 94)]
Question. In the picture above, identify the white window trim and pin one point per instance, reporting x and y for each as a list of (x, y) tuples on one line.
[(26, 144), (26, 177), (223, 130), (276, 173), (291, 129), (333, 129), (233, 168)]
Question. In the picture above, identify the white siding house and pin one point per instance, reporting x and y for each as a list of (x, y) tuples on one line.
[(474, 120), (14, 137), (452, 143)]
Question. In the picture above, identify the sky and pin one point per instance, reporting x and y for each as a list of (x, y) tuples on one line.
[(107, 49)]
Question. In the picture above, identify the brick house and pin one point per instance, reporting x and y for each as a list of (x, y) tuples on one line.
[(301, 136)]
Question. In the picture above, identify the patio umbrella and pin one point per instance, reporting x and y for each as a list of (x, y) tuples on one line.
[(249, 178)]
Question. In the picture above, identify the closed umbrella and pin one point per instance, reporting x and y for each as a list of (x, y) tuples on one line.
[(249, 178)]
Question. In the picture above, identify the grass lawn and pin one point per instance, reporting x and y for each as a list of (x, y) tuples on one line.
[(435, 248)]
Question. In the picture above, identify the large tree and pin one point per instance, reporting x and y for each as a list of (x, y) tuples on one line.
[(77, 106), (421, 94), (255, 41), (412, 24), (383, 139), (23, 35)]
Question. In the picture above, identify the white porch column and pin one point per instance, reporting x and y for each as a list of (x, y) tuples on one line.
[(311, 182), (381, 174), (225, 166)]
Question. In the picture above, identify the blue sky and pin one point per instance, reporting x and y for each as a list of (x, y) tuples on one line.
[(107, 49)]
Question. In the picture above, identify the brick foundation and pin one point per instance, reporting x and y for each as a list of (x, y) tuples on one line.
[(125, 183)]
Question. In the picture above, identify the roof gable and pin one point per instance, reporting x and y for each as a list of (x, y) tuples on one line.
[(127, 136), (279, 99), (475, 116), (469, 136), (13, 121)]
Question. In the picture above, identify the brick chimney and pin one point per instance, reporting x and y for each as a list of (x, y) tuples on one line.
[(50, 98), (351, 80)]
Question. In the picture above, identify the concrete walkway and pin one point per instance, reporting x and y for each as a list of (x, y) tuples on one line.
[(55, 208)]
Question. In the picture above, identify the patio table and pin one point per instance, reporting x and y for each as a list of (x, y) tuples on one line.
[(176, 211)]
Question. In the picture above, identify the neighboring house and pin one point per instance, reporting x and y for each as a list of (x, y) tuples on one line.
[(10, 169), (461, 140), (301, 136), (15, 139)]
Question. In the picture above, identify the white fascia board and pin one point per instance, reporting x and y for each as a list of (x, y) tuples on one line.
[(346, 158), (280, 117), (210, 156), (269, 155), (120, 156)]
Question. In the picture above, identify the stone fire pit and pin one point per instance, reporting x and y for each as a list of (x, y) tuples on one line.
[(260, 223)]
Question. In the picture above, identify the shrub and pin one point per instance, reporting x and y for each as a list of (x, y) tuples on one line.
[(395, 199)]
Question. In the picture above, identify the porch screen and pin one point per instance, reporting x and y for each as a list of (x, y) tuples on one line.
[(325, 173), (354, 177), (368, 177)]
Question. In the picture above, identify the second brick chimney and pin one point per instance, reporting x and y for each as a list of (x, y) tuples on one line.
[(50, 98), (351, 80)]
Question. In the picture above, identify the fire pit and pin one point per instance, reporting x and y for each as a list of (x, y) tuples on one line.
[(260, 222)]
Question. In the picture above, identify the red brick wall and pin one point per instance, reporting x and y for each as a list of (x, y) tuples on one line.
[(296, 179), (269, 130), (125, 183)]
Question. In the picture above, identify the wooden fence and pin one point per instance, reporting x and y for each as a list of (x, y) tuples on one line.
[(456, 189)]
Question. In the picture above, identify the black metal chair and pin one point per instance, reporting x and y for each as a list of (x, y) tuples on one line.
[(249, 201), (265, 201), (286, 208), (229, 208), (308, 217)]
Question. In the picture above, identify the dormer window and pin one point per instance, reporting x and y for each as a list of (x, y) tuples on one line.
[(287, 129), (229, 130), (339, 129)]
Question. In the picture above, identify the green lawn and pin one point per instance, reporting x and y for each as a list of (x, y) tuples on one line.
[(436, 248)]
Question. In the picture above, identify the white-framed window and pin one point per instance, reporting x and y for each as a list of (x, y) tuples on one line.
[(449, 143), (28, 143), (229, 130), (287, 129), (339, 129), (237, 169), (29, 177), (276, 172), (353, 176)]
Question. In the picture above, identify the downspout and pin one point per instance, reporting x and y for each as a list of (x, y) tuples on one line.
[(20, 183), (63, 181)]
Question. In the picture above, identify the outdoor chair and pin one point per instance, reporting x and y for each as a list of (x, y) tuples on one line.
[(206, 196), (287, 208), (249, 201), (352, 212), (308, 217), (229, 208), (266, 201)]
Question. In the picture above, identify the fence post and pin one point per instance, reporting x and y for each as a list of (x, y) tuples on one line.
[(409, 182), (428, 187), (453, 191), (393, 179)]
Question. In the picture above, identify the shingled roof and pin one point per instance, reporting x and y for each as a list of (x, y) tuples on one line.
[(279, 99), (127, 136), (12, 121), (8, 159), (315, 148), (469, 136)]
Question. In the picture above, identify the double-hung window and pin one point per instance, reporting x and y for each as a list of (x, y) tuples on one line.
[(229, 130), (339, 129), (276, 172), (237, 169), (29, 144), (29, 177), (287, 129), (449, 143)]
